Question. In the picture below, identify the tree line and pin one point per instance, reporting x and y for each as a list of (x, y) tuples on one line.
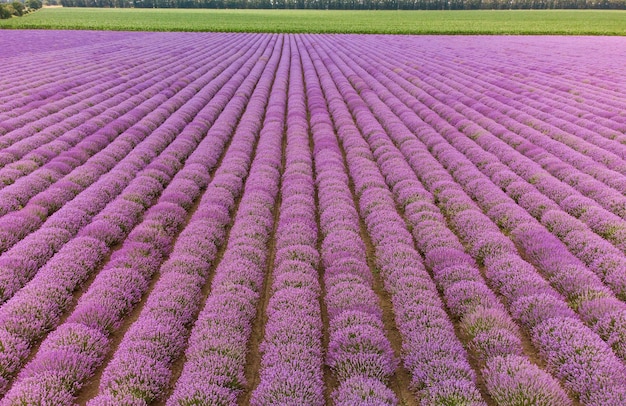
[(18, 9), (355, 4)]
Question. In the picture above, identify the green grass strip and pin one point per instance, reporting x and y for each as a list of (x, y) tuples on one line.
[(482, 22)]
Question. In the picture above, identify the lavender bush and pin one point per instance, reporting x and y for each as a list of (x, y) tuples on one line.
[(293, 219)]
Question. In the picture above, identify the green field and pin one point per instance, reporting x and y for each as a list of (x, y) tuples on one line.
[(566, 22)]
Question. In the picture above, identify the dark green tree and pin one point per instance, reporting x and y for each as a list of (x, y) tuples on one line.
[(5, 12), (33, 4), (18, 8)]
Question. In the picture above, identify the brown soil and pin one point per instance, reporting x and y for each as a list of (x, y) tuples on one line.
[(179, 363), (91, 388), (399, 382), (330, 382), (527, 345), (253, 358), (528, 348), (75, 298), (475, 362)]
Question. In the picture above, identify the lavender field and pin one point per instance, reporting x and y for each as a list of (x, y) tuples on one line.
[(264, 219)]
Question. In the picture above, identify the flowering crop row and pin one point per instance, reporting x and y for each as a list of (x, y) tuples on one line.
[(545, 196), (292, 357), (359, 353), (491, 333), (101, 309), (66, 108), (583, 290), (214, 371), (175, 299), (269, 219), (487, 245), (21, 262), (439, 367), (45, 191)]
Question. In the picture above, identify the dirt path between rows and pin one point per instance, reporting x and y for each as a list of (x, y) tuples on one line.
[(91, 388)]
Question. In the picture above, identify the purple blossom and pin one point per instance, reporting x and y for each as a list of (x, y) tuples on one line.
[(267, 189), (513, 380), (364, 391)]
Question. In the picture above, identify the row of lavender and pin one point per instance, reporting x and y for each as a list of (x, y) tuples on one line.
[(197, 122), (295, 219)]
